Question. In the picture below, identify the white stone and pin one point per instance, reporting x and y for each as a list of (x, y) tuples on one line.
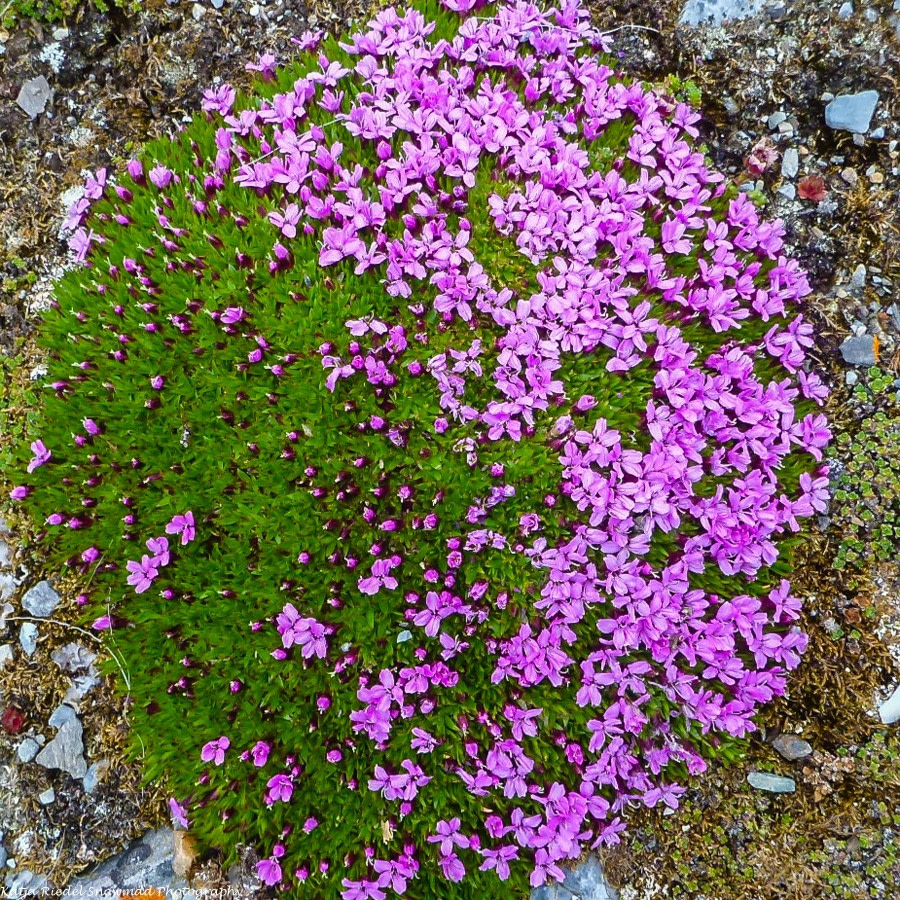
[(889, 711), (790, 163), (34, 96)]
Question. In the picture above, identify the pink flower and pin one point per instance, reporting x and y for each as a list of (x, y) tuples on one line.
[(142, 573), (269, 871), (214, 751), (179, 813), (41, 456), (260, 753), (280, 788), (183, 525)]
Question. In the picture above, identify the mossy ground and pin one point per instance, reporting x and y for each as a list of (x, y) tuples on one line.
[(838, 835)]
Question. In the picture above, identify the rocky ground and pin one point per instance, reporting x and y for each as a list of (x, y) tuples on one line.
[(801, 108)]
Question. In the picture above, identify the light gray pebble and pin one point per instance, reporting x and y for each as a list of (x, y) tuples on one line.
[(846, 10), (66, 750), (851, 112), (6, 654), (788, 191), (859, 350), (792, 747), (889, 711), (773, 784), (790, 163), (851, 378), (45, 798), (776, 119), (34, 96), (41, 600), (28, 635), (93, 774), (28, 750), (877, 134)]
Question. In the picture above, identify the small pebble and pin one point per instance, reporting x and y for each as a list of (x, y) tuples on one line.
[(776, 119), (774, 784), (851, 378), (876, 178), (877, 133), (27, 750), (28, 635), (34, 96), (41, 600), (6, 654), (889, 711), (859, 350), (858, 278), (846, 10), (60, 34), (45, 798), (792, 747), (218, 4), (198, 11), (851, 112), (790, 163), (788, 191), (849, 175)]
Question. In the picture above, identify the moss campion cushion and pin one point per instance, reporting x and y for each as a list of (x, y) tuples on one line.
[(427, 426)]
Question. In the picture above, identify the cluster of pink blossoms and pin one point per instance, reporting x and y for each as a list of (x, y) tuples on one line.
[(628, 262)]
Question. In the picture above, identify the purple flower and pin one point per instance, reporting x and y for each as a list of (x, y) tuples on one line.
[(260, 753), (179, 813), (142, 573), (41, 456), (280, 788), (183, 525), (160, 177), (159, 547), (214, 751), (269, 871)]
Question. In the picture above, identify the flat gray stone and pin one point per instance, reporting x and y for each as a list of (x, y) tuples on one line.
[(74, 657), (94, 774), (859, 350), (146, 861), (790, 163), (66, 750), (851, 112), (846, 10), (41, 600), (716, 12), (28, 635), (34, 96), (62, 714), (792, 747), (45, 798), (24, 883), (889, 711), (773, 784), (27, 750), (6, 654)]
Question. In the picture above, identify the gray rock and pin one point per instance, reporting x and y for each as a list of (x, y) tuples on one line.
[(859, 351), (588, 883), (146, 861), (846, 10), (34, 96), (24, 883), (28, 635), (218, 4), (851, 112), (715, 12), (774, 784), (790, 163), (94, 774), (41, 600), (45, 798), (81, 686), (73, 657), (858, 278), (8, 585), (6, 654), (27, 750), (788, 191), (66, 750), (889, 711), (792, 747), (776, 119), (62, 714), (877, 134), (3, 856)]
